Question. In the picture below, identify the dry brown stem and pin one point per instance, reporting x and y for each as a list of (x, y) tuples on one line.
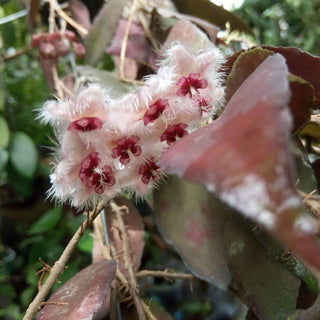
[(134, 289), (59, 265), (166, 274), (125, 39)]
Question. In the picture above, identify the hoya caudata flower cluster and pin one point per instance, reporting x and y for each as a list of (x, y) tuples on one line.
[(112, 145)]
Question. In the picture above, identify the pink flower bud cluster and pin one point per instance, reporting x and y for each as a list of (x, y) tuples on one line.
[(57, 44), (110, 145)]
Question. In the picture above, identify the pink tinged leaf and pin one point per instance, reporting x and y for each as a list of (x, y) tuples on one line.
[(86, 296), (217, 246), (138, 47), (187, 34), (244, 158), (135, 229), (131, 67), (189, 220), (185, 30), (244, 63), (302, 64), (102, 30)]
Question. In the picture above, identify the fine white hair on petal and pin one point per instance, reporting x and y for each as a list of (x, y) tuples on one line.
[(98, 131)]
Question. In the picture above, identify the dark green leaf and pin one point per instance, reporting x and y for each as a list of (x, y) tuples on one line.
[(9, 35), (185, 215), (2, 98), (244, 65), (103, 29), (23, 155), (68, 273), (4, 132), (105, 79), (209, 11), (3, 158), (47, 222), (26, 295), (20, 184), (264, 284), (86, 243), (311, 130), (193, 221)]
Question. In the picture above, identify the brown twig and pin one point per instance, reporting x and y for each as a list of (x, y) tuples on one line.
[(46, 268), (59, 266), (55, 303), (125, 39), (56, 82), (119, 211), (109, 252), (113, 302), (69, 20), (51, 16), (148, 312), (16, 54), (312, 201), (164, 274)]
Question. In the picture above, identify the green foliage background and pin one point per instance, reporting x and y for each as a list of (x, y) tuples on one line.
[(284, 23)]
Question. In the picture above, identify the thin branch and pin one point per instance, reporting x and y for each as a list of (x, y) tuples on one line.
[(59, 266), (164, 274), (113, 302), (56, 81), (16, 54), (74, 24), (148, 312), (110, 253), (119, 211), (125, 39), (53, 303), (51, 16)]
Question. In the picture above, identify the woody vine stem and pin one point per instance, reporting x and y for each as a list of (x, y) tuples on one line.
[(60, 264)]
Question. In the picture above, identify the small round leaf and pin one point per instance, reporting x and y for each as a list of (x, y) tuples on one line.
[(3, 158), (23, 155), (4, 132)]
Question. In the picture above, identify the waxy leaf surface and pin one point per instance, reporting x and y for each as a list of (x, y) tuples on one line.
[(303, 65), (184, 215), (244, 158), (243, 63), (102, 30), (209, 11), (217, 246), (135, 230), (83, 297)]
